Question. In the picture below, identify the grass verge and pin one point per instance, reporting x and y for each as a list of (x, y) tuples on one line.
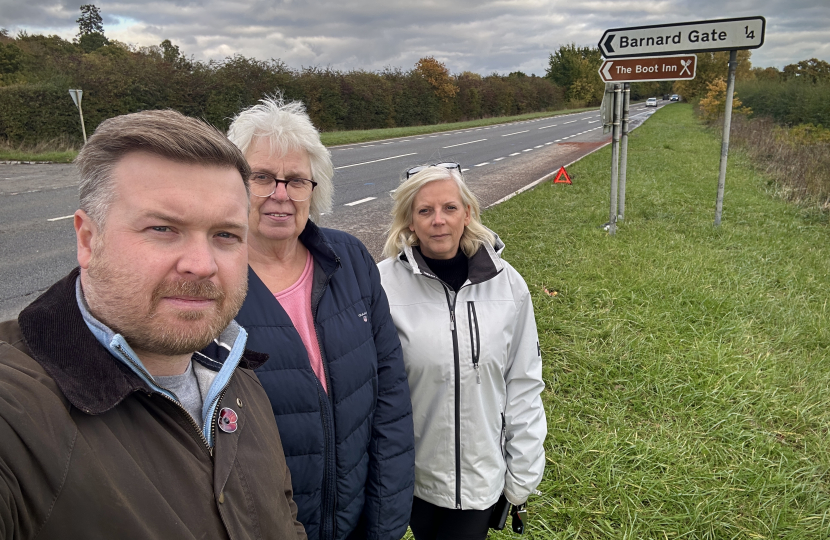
[(60, 150), (687, 367), (45, 152), (334, 138)]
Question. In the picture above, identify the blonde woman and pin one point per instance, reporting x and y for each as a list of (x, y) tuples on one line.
[(466, 325)]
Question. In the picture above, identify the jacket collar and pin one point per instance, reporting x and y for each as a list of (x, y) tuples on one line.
[(90, 377), (322, 252), (485, 264)]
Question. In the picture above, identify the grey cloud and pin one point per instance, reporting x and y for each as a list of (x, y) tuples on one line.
[(480, 36)]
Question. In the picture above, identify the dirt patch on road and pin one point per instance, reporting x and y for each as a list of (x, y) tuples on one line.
[(504, 178)]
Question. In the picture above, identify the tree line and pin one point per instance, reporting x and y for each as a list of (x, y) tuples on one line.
[(36, 72)]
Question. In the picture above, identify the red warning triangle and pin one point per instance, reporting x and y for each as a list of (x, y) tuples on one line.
[(562, 172)]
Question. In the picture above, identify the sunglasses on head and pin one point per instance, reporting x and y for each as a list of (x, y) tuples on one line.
[(450, 165)]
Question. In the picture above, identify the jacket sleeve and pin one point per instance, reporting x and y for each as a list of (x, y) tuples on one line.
[(525, 423), (391, 479)]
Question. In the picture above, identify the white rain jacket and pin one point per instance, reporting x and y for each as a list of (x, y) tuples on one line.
[(475, 374)]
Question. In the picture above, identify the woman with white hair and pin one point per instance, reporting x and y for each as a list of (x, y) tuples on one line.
[(335, 377), (466, 324)]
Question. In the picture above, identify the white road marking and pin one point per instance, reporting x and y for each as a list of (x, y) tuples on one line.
[(547, 143), (509, 134), (593, 121), (514, 154), (571, 122), (498, 159), (527, 149), (60, 218), (464, 170), (375, 161), (482, 164), (361, 201), (546, 127), (462, 144), (539, 146)]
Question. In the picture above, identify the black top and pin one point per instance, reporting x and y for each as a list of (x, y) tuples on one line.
[(453, 271)]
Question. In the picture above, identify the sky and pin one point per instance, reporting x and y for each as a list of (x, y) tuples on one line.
[(481, 36)]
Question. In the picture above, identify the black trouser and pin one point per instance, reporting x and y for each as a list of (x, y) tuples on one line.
[(430, 522)]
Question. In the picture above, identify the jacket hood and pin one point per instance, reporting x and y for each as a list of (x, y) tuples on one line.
[(86, 372)]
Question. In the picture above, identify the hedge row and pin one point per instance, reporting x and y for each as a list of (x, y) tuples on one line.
[(791, 102), (117, 80)]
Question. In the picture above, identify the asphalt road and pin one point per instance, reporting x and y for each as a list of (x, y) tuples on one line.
[(37, 240)]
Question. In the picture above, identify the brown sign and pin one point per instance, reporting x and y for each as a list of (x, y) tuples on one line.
[(654, 68)]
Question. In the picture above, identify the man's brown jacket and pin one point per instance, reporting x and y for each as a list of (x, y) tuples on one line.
[(88, 450)]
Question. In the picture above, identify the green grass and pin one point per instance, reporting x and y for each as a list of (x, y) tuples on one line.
[(20, 155), (687, 367), (334, 138)]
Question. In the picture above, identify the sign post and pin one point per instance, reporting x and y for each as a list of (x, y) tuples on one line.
[(623, 150), (727, 126), (615, 159), (76, 96), (626, 51)]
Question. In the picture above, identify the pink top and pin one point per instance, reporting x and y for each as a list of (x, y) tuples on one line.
[(296, 301)]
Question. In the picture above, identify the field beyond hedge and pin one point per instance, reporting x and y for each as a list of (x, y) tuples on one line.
[(687, 367)]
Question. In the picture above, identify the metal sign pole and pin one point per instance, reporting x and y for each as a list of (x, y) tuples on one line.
[(727, 126), (615, 159), (624, 150), (77, 96)]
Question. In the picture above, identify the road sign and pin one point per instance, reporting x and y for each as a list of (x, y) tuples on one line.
[(690, 37), (77, 96), (653, 68)]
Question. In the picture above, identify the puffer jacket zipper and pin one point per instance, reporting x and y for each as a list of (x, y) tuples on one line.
[(475, 341), (328, 524)]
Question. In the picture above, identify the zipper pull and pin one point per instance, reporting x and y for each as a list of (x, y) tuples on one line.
[(478, 374), (452, 321)]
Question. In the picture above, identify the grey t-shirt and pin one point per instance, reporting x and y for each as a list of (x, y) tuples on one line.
[(186, 388)]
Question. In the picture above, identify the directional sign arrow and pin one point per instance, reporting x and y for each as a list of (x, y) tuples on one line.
[(688, 37), (605, 71), (608, 43)]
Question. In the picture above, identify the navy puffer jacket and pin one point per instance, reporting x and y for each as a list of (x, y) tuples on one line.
[(351, 451)]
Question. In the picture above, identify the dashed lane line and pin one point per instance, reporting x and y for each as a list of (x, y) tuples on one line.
[(509, 134), (462, 144), (375, 161), (361, 201), (60, 218)]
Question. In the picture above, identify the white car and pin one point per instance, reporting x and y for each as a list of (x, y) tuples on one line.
[(651, 102)]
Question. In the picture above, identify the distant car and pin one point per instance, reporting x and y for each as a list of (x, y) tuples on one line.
[(674, 97), (651, 102)]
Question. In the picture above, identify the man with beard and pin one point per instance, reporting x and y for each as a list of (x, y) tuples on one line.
[(111, 425)]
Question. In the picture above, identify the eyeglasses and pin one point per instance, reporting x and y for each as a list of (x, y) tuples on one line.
[(450, 165), (263, 184)]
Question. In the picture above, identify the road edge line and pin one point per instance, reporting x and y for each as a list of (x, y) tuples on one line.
[(539, 181)]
